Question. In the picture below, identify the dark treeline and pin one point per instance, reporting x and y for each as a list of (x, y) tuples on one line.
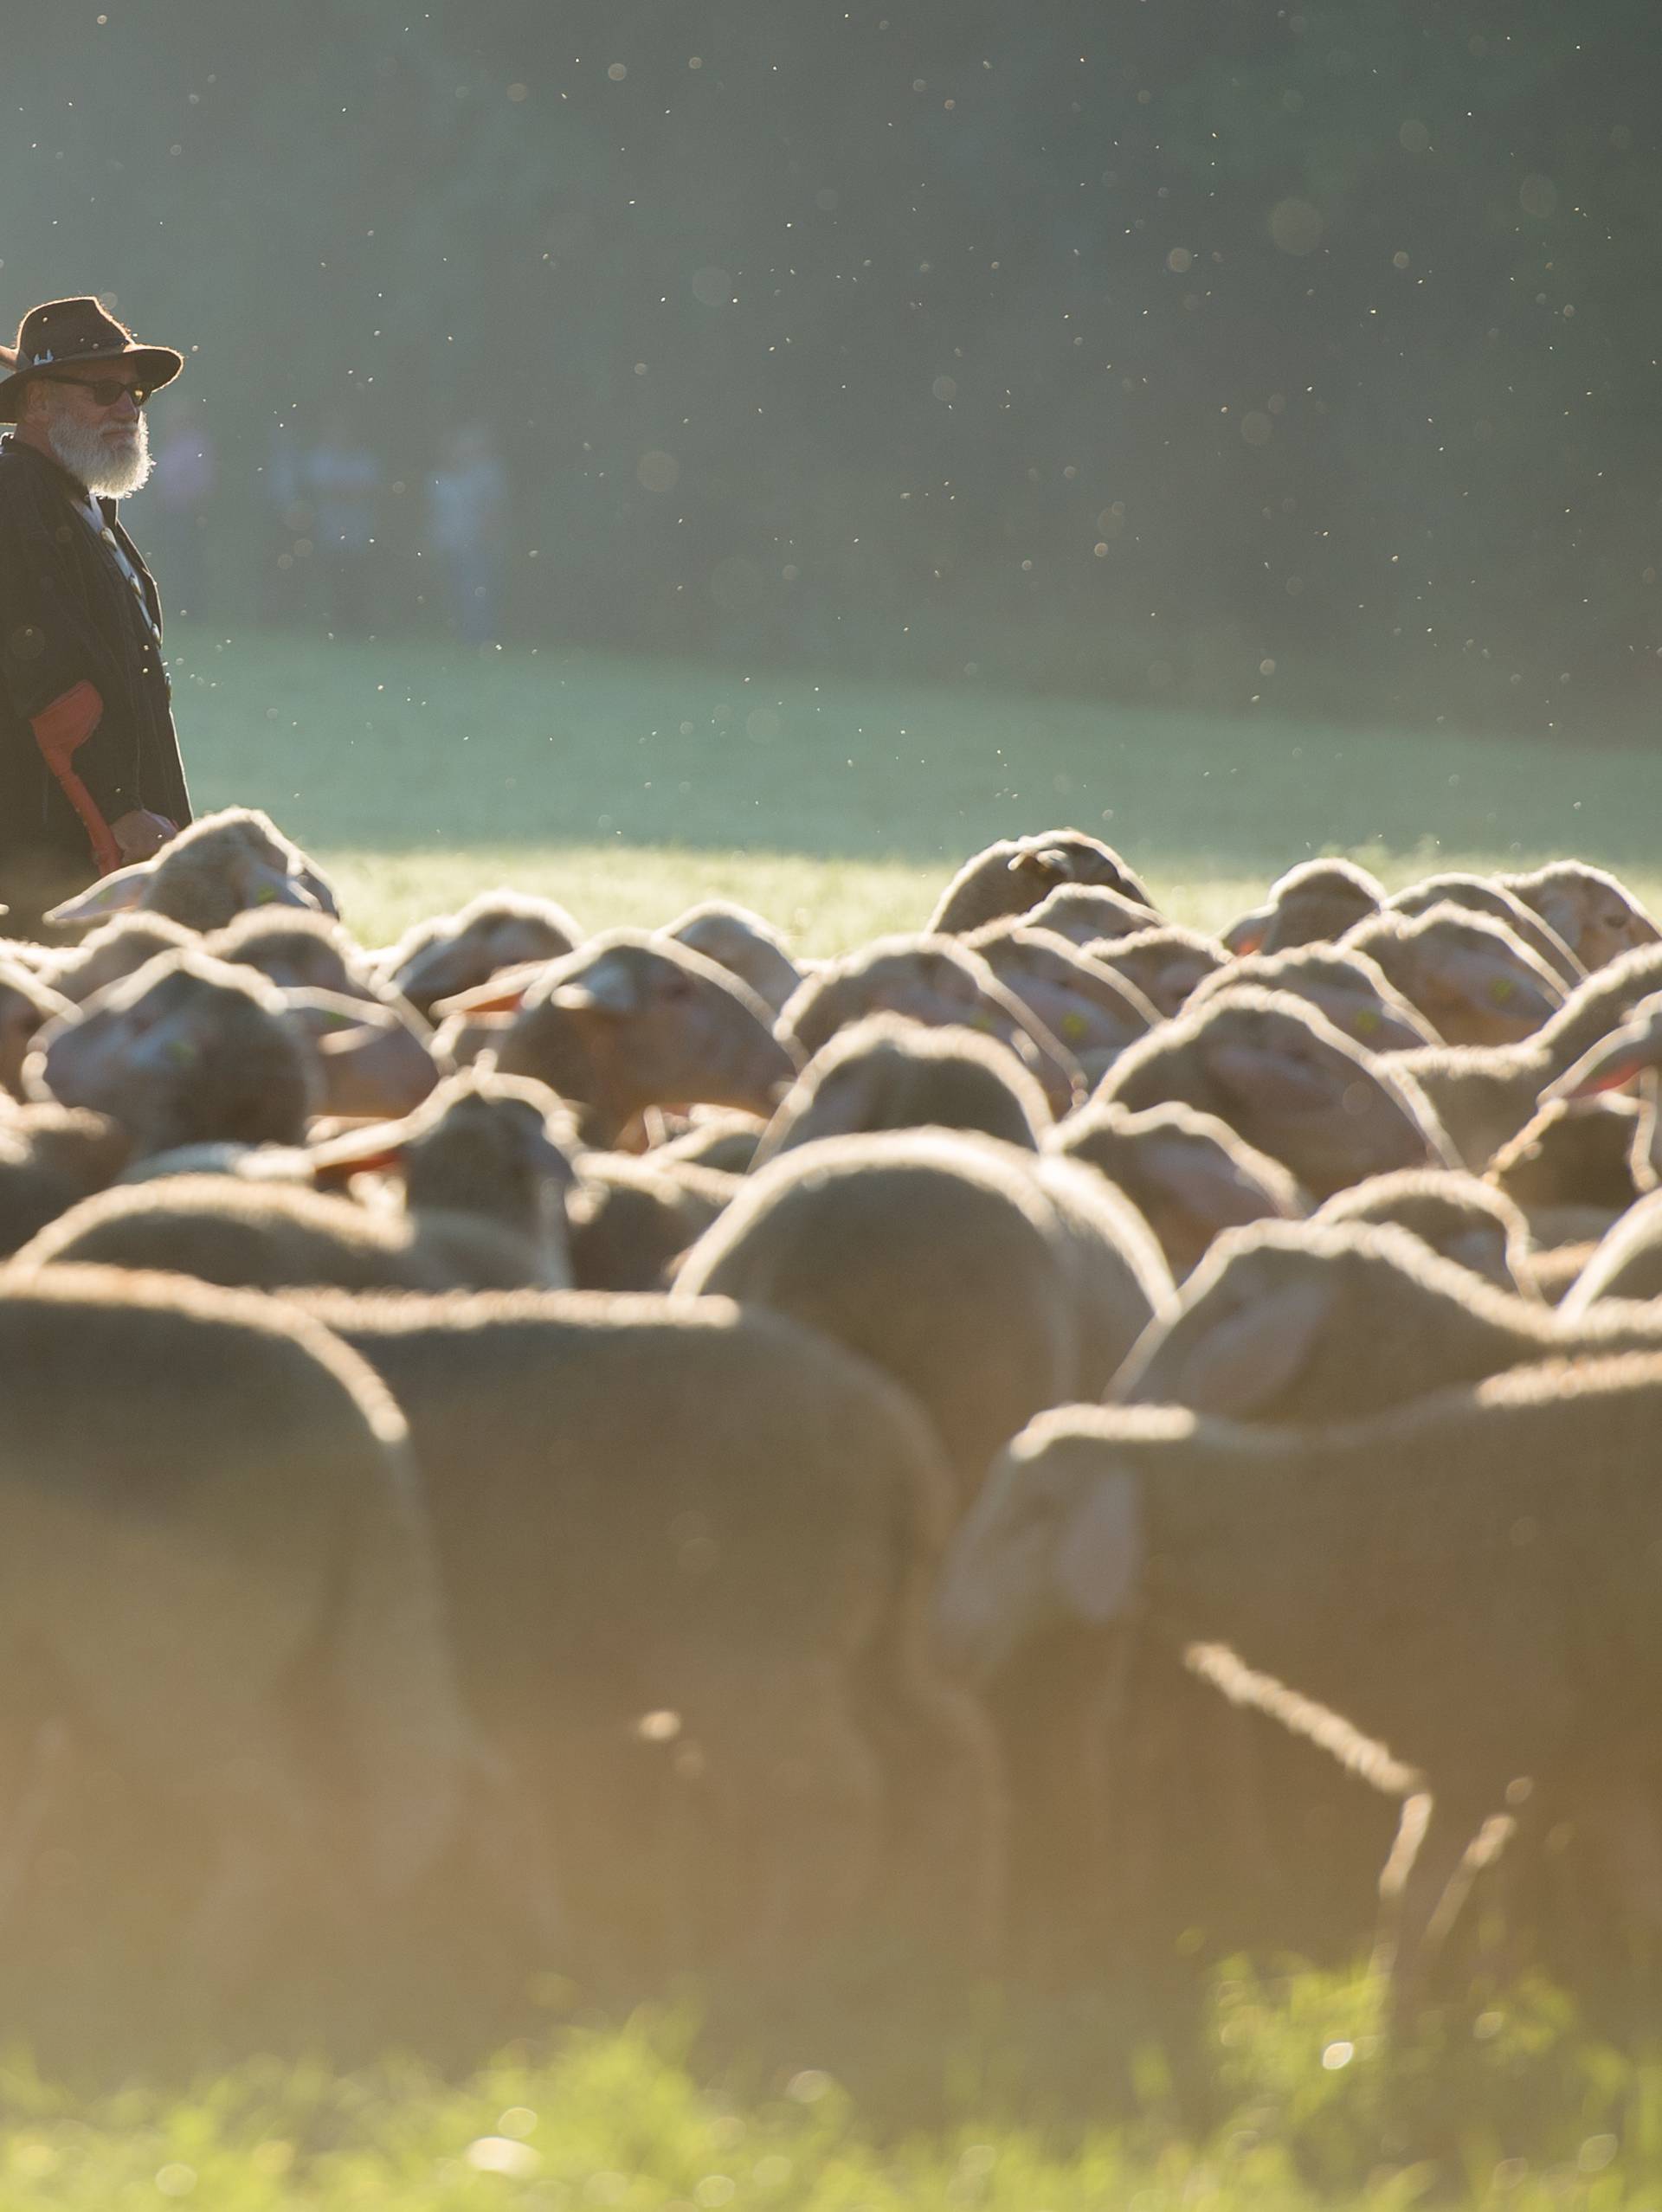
[(1109, 345)]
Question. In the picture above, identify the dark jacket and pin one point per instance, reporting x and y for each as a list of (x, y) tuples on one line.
[(86, 723)]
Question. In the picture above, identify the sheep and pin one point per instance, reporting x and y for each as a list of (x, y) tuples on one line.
[(945, 1260), (1474, 981), (629, 1020), (50, 1156), (1317, 900), (1092, 1011), (1483, 1095), (1469, 1580), (633, 1218), (1164, 964), (1575, 1157), (1340, 981), (207, 873), (1627, 1264), (720, 1137), (371, 1058), (1188, 1174), (1084, 913), (452, 952), (298, 950), (1284, 1078), (888, 1072), (486, 1177), (743, 943), (1307, 1322), (1481, 896), (687, 1578), (936, 980), (27, 1004), (1015, 874), (1590, 909), (220, 1583), (115, 948), (183, 1051), (1452, 1214)]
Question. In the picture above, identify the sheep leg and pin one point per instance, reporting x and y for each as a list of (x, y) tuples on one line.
[(1440, 1853)]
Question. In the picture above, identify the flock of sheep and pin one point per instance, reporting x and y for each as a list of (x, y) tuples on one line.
[(1019, 1442)]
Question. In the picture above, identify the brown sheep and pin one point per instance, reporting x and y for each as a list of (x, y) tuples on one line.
[(50, 1156), (630, 1020), (743, 943), (452, 952), (1482, 896), (1015, 873), (27, 1004), (115, 948), (1186, 1173), (1474, 981), (633, 1217), (486, 1179), (1498, 1541), (1302, 1321), (1340, 981), (1084, 913), (1483, 1095), (1095, 1013), (944, 1260), (888, 1072), (1593, 911), (211, 871), (222, 1603), (936, 980), (183, 1051), (1452, 1213), (1164, 964), (1284, 1078), (687, 1576), (1319, 900)]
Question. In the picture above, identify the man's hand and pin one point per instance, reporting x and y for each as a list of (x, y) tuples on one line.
[(141, 835)]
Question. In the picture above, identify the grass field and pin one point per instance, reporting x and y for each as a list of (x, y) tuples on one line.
[(629, 789)]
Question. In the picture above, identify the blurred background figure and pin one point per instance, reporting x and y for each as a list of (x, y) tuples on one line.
[(341, 478), (466, 517), (181, 490)]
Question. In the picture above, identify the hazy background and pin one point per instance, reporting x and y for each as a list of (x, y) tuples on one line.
[(1115, 350)]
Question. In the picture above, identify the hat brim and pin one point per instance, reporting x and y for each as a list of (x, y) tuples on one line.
[(154, 365)]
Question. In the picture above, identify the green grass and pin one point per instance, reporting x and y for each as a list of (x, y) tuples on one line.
[(1302, 2111), (629, 789)]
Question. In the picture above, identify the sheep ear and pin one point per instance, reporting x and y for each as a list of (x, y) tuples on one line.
[(1612, 1062), (120, 892), (380, 1148), (503, 992), (1103, 1551), (1248, 934), (1257, 1353)]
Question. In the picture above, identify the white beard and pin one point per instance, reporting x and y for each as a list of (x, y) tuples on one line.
[(107, 465)]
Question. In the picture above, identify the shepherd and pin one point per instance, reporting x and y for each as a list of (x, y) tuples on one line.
[(90, 773)]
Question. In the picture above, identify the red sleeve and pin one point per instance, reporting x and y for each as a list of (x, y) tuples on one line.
[(61, 730)]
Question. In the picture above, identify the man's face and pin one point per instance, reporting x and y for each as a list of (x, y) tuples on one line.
[(106, 446)]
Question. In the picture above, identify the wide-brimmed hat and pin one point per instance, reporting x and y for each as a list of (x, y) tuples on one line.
[(64, 330)]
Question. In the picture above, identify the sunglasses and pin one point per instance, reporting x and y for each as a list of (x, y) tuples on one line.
[(106, 391)]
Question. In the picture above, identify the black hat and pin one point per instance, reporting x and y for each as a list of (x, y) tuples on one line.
[(78, 330)]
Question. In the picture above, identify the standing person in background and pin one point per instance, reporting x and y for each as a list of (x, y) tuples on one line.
[(90, 773), (342, 479), (466, 508)]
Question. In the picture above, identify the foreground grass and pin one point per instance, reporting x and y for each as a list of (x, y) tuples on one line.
[(629, 789), (1514, 2110)]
